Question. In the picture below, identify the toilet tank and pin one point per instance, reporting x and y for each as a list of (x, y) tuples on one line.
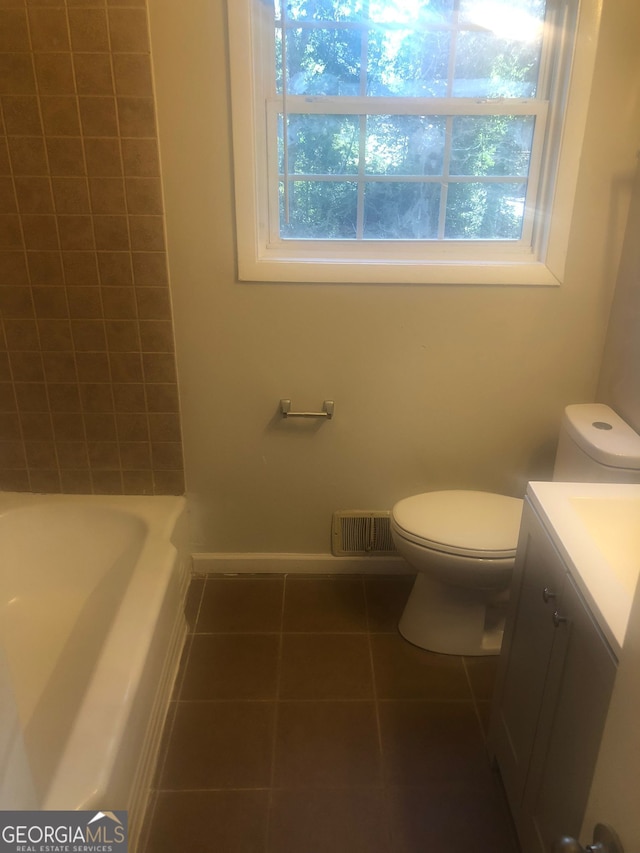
[(596, 446)]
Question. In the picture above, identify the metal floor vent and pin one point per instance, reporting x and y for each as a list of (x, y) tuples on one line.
[(361, 533)]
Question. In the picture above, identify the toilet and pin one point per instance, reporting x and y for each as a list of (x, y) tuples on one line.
[(462, 544)]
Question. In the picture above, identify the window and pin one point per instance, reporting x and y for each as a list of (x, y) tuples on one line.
[(402, 140)]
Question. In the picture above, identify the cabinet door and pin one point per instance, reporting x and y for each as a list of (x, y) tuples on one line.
[(539, 576), (579, 684)]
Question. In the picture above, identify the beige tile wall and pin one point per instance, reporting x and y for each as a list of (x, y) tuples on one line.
[(88, 393)]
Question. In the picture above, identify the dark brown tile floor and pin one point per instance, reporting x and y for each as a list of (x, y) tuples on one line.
[(303, 723)]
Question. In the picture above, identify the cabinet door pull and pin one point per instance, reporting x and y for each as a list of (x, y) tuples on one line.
[(558, 619), (547, 594), (605, 840)]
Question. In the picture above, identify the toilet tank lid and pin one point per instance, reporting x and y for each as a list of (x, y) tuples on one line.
[(482, 523), (603, 435)]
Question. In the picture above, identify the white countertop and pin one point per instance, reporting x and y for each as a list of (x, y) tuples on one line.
[(596, 529)]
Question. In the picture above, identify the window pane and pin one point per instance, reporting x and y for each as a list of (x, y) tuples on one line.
[(323, 61), (511, 19), (488, 65), (406, 63), (321, 10), (320, 144), (414, 12), (478, 211), (492, 48), (324, 210), (401, 211), (491, 145), (404, 145)]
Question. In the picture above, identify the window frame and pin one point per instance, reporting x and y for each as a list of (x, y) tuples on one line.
[(263, 256)]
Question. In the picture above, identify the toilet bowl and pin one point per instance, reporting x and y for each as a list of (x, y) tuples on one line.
[(462, 545)]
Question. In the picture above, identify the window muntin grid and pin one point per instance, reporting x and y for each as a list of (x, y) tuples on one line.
[(345, 105)]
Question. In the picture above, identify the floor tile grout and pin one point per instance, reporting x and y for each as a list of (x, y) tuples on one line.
[(475, 703), (278, 802), (372, 667), (274, 742), (409, 700)]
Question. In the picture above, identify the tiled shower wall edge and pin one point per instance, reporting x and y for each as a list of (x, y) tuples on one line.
[(88, 385)]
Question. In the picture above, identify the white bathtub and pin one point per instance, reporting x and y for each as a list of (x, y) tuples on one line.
[(92, 593)]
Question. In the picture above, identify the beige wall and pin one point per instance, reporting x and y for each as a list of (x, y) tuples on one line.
[(620, 376), (434, 386), (88, 391), (619, 384)]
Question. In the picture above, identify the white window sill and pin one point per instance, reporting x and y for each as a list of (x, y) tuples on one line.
[(398, 272)]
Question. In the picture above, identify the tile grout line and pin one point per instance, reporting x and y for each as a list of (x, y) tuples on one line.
[(319, 701), (162, 758), (170, 717), (376, 705), (276, 714), (149, 817), (474, 702), (186, 653), (374, 682), (288, 633), (198, 609), (213, 790)]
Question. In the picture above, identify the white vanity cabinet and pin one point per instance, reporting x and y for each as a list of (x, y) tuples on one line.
[(555, 677)]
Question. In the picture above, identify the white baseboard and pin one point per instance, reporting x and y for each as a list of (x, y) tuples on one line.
[(317, 564)]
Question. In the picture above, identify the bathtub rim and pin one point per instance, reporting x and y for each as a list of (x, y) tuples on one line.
[(163, 557)]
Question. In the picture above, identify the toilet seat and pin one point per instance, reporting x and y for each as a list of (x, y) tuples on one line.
[(466, 523)]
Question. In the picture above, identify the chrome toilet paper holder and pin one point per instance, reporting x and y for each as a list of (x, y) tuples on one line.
[(328, 408)]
